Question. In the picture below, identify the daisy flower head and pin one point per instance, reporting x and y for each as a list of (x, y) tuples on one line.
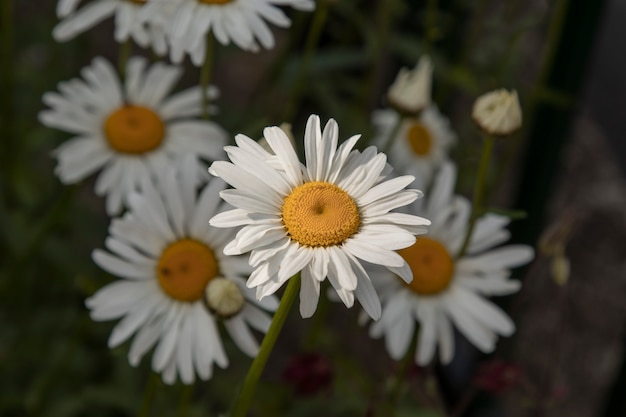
[(421, 145), (321, 219), (242, 22), (410, 92), (447, 291), (128, 130), (128, 25), (176, 283), (498, 112)]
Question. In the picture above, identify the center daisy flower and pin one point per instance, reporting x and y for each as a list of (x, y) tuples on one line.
[(177, 283), (421, 144), (321, 219), (129, 131), (446, 290), (242, 22)]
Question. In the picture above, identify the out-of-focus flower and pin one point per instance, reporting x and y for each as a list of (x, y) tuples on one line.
[(168, 257), (498, 112), (445, 290), (127, 131), (410, 92), (127, 22), (321, 219), (242, 22), (421, 145), (309, 373), (498, 376)]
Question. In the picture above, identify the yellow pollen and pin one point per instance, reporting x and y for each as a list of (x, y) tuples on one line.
[(134, 129), (320, 214), (185, 268), (419, 139), (220, 2), (432, 266)]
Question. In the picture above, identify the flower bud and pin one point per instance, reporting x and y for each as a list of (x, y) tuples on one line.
[(410, 92), (498, 112), (223, 297)]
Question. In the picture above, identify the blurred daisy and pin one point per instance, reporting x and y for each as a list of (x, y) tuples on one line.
[(498, 112), (421, 144), (410, 92), (446, 291), (321, 219), (176, 281), (242, 22), (127, 22), (129, 131)]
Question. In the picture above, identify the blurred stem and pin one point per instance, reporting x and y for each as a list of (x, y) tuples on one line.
[(393, 133), (401, 374), (126, 49), (205, 74), (430, 28), (244, 397), (479, 191), (185, 400), (319, 322), (7, 86), (312, 40), (148, 395)]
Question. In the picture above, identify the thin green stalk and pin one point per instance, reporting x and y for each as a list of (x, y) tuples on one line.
[(185, 400), (244, 398), (126, 49), (401, 373), (479, 191), (205, 74), (312, 40), (148, 395), (430, 26), (386, 147), (7, 83)]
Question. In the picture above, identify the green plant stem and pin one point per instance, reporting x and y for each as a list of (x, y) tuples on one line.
[(479, 192), (401, 374), (148, 395), (312, 40), (185, 400), (126, 50), (205, 74), (244, 398), (430, 34), (7, 82), (386, 147)]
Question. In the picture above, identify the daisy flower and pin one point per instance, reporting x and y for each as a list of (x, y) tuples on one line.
[(446, 291), (321, 219), (242, 22), (421, 144), (176, 282), (128, 130), (127, 22)]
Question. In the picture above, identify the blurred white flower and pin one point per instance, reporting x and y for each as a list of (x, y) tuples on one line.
[(321, 219), (498, 112), (242, 22), (421, 144), (167, 255), (446, 291), (410, 92), (128, 130), (127, 22)]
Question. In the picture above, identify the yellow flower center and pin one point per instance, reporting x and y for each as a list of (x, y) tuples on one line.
[(134, 129), (214, 1), (419, 139), (185, 268), (320, 214), (432, 266)]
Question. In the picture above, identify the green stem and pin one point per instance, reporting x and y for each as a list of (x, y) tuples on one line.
[(126, 49), (430, 26), (185, 400), (8, 156), (386, 146), (148, 395), (479, 191), (401, 374), (244, 398), (205, 74), (319, 19)]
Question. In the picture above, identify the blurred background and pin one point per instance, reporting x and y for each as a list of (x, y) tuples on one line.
[(565, 170)]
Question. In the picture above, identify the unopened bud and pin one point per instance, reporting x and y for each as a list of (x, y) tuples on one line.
[(498, 112), (224, 297), (410, 92)]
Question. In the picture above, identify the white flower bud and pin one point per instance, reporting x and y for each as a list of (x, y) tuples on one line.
[(410, 92), (224, 297), (498, 112)]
